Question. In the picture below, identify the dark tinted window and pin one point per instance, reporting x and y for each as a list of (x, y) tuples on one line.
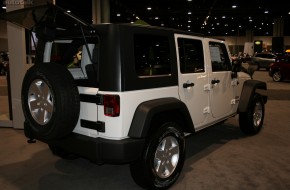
[(219, 57), (190, 56), (152, 55)]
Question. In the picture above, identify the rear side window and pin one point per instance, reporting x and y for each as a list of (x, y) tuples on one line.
[(190, 56), (220, 60), (152, 55)]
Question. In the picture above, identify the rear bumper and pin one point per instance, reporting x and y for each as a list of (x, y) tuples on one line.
[(97, 150), (101, 150)]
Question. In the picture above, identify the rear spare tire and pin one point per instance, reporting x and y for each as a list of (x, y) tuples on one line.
[(50, 101)]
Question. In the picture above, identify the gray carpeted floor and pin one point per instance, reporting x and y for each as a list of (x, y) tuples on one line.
[(220, 157)]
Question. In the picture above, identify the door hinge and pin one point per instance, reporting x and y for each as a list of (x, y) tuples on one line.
[(235, 82), (207, 87), (206, 110), (233, 101)]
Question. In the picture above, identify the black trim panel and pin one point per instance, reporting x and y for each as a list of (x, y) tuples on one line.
[(89, 98), (96, 125)]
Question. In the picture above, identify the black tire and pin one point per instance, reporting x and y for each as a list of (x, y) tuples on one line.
[(50, 101), (277, 76), (146, 171), (251, 121), (57, 151)]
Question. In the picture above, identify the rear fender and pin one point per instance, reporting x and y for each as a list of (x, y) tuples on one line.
[(146, 111)]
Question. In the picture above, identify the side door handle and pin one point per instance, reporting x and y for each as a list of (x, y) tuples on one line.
[(215, 81), (186, 85)]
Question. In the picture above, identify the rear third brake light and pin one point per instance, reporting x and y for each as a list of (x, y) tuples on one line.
[(111, 105)]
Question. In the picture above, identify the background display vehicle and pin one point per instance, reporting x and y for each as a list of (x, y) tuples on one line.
[(263, 60), (133, 92), (280, 69)]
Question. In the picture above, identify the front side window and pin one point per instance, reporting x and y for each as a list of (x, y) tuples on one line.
[(220, 60), (152, 55), (190, 56)]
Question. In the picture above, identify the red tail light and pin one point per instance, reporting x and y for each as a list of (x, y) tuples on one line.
[(111, 105)]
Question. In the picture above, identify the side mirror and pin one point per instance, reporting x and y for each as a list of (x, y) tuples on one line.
[(236, 67), (251, 69)]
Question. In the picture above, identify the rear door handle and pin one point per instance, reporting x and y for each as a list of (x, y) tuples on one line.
[(186, 85), (215, 81)]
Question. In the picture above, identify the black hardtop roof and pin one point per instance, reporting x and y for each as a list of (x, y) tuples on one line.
[(129, 25), (106, 28)]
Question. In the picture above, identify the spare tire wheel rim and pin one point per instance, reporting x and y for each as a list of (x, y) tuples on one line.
[(258, 114), (40, 101)]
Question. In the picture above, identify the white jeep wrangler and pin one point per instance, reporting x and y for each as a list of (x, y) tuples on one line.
[(122, 93)]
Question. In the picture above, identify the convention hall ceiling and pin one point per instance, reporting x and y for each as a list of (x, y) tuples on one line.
[(210, 17)]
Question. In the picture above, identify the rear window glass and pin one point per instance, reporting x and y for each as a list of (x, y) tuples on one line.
[(66, 53), (152, 55)]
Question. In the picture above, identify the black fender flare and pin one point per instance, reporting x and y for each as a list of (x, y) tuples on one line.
[(147, 110), (248, 91)]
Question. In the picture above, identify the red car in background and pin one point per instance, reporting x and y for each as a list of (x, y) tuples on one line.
[(280, 69)]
